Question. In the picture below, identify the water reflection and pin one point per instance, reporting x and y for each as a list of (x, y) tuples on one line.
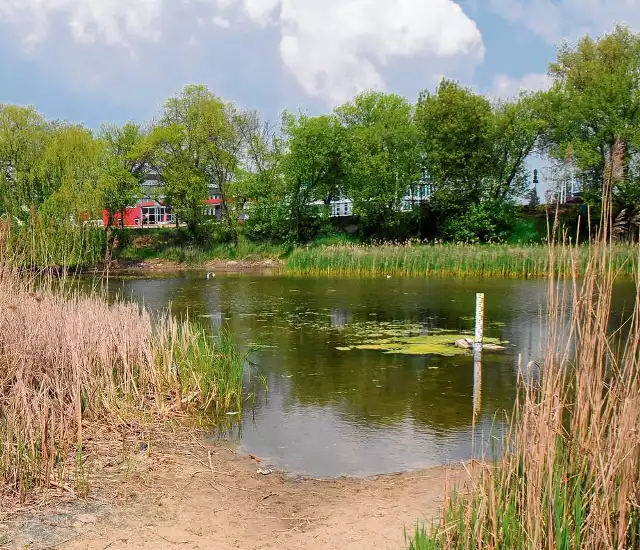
[(330, 411), (340, 318)]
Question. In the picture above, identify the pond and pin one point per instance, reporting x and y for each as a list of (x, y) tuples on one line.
[(333, 409)]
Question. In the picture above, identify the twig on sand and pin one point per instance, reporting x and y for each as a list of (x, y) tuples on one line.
[(113, 542), (166, 539)]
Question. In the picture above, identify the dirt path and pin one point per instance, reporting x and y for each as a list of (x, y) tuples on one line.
[(215, 499)]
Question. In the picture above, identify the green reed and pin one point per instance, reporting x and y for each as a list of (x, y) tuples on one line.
[(44, 244), (503, 261)]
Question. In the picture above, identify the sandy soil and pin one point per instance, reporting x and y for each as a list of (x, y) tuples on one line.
[(209, 496), (223, 266)]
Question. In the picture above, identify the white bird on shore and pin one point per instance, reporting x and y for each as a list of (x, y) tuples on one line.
[(210, 275)]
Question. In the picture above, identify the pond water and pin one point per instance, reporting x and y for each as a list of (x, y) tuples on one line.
[(331, 411)]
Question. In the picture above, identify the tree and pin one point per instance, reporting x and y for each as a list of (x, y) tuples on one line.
[(23, 137), (312, 169), (125, 165), (70, 170), (199, 145), (475, 152), (381, 155), (260, 183), (455, 131), (596, 104), (517, 130)]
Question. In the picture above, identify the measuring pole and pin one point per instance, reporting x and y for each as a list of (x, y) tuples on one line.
[(477, 353), (477, 345)]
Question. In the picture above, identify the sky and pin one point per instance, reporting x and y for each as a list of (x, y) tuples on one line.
[(92, 61)]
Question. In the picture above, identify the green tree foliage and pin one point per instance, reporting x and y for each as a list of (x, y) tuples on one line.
[(261, 184), (474, 153), (454, 127), (312, 170), (595, 102), (517, 130), (199, 145), (23, 135), (381, 158), (126, 160), (71, 170)]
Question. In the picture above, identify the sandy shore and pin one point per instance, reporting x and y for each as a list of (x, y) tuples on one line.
[(200, 496)]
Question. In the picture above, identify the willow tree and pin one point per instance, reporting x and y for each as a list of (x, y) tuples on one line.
[(70, 167), (23, 137)]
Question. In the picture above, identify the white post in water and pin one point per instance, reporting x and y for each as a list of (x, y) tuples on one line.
[(477, 353), (477, 345)]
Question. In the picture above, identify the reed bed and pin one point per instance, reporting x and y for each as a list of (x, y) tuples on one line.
[(69, 360), (447, 260), (46, 244), (569, 477)]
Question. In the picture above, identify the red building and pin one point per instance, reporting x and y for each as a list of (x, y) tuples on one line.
[(151, 213)]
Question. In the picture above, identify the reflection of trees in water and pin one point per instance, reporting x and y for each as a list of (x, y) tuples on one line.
[(348, 381), (384, 390)]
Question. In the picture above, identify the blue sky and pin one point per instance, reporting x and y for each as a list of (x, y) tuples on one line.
[(116, 60)]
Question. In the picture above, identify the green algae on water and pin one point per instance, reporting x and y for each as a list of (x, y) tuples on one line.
[(441, 343)]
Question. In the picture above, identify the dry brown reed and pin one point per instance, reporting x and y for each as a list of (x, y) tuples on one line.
[(69, 359), (569, 476)]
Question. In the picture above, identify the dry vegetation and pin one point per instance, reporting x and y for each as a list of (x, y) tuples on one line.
[(69, 361), (570, 475)]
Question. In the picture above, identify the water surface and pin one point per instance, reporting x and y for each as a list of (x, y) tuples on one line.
[(329, 412)]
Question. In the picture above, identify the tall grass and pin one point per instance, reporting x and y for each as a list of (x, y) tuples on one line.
[(506, 261), (68, 359), (47, 244), (570, 473)]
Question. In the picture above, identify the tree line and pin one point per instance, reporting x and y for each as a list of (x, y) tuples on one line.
[(374, 150)]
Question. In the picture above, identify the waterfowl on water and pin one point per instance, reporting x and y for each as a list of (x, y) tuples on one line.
[(210, 275)]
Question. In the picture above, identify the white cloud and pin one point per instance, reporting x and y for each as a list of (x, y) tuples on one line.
[(112, 21), (507, 87), (336, 48), (553, 20), (221, 22), (261, 11)]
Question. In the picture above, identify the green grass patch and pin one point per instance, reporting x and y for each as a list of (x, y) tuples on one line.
[(504, 261)]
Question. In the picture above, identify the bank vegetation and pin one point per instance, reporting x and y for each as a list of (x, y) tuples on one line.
[(72, 361), (569, 473)]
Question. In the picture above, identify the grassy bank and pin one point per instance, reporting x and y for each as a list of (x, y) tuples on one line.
[(570, 474), (174, 245), (70, 361), (504, 261)]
